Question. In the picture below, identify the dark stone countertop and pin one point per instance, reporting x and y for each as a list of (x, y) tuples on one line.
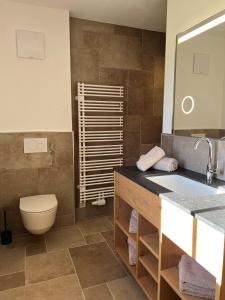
[(139, 177)]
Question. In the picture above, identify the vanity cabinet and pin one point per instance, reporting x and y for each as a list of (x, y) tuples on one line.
[(129, 195), (165, 232)]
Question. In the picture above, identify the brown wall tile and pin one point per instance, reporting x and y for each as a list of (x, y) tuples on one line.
[(118, 55), (151, 128), (24, 175)]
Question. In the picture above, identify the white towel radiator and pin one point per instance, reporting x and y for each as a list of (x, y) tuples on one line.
[(100, 110)]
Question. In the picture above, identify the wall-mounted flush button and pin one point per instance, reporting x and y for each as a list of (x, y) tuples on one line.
[(35, 145)]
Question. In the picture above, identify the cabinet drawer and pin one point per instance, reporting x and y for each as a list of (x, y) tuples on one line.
[(147, 203)]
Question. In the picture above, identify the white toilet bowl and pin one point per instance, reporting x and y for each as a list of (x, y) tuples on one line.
[(38, 212)]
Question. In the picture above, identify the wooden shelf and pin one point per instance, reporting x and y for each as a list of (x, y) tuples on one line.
[(151, 265), (171, 276), (124, 226), (149, 286), (123, 254), (151, 242)]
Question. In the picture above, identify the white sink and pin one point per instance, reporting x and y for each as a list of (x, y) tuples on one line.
[(183, 185)]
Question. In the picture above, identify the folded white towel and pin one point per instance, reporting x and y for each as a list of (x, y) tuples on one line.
[(132, 252), (133, 222), (147, 160), (166, 164), (195, 280)]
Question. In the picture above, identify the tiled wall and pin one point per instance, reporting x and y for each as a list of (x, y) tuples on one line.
[(110, 54), (39, 173), (182, 148)]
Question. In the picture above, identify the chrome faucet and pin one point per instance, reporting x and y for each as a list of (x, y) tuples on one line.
[(210, 171)]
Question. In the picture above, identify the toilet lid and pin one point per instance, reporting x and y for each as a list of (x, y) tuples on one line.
[(39, 203)]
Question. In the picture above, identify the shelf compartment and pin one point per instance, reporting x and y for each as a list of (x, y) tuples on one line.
[(147, 283), (123, 214), (151, 242), (151, 265), (121, 247), (171, 276), (124, 226)]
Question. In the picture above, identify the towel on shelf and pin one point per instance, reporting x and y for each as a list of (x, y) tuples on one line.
[(166, 164), (195, 280), (133, 222), (132, 252), (147, 160)]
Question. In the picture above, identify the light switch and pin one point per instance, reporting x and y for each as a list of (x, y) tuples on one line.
[(35, 145)]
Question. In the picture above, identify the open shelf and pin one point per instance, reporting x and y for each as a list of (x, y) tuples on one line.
[(151, 242), (149, 287), (124, 226), (151, 265), (121, 247), (171, 276), (123, 254)]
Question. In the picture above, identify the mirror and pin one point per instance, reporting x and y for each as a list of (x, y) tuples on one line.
[(199, 107)]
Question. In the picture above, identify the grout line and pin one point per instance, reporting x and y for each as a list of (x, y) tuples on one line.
[(111, 293), (25, 267), (116, 256), (75, 272)]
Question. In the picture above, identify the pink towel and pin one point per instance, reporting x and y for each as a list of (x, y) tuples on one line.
[(147, 160), (195, 280)]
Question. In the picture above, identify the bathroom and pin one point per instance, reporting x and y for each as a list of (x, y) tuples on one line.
[(61, 241)]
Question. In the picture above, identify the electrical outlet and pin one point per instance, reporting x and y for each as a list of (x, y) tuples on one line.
[(35, 145)]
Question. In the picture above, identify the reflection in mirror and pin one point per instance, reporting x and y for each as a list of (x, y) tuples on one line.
[(199, 108)]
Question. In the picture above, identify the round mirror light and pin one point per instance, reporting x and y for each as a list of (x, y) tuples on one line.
[(188, 105)]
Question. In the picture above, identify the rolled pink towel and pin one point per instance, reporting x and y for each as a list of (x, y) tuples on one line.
[(147, 160), (166, 164)]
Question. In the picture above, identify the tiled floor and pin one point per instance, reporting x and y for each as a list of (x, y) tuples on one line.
[(75, 262)]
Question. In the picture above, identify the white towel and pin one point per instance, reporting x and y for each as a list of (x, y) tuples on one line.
[(132, 252), (195, 280), (166, 164), (133, 222), (147, 160)]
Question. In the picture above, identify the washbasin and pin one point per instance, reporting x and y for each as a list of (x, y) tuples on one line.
[(183, 185)]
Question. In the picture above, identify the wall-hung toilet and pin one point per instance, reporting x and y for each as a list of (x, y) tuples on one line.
[(38, 212)]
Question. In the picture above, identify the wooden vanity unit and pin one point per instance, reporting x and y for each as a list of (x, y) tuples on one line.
[(164, 234)]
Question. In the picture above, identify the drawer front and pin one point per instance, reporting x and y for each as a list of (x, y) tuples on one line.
[(179, 227), (145, 202)]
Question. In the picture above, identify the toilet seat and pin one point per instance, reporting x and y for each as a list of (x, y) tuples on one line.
[(38, 204)]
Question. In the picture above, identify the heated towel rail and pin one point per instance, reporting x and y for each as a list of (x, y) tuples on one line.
[(100, 111)]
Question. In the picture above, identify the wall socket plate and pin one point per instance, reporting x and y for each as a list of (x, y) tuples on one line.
[(35, 145)]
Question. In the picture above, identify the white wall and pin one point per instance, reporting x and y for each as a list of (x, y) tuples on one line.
[(35, 95), (181, 15)]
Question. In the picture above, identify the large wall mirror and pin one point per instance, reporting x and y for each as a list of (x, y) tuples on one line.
[(199, 107)]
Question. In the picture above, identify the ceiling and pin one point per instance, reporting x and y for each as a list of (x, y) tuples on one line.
[(145, 14)]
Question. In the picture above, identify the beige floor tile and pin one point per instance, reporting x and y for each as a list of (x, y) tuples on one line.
[(95, 225), (14, 294), (99, 292), (12, 260), (126, 288), (63, 288), (95, 264), (12, 280), (93, 238), (64, 238), (109, 237), (110, 218), (34, 244), (48, 266)]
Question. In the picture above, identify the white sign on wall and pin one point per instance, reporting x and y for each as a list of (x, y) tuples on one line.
[(30, 44)]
